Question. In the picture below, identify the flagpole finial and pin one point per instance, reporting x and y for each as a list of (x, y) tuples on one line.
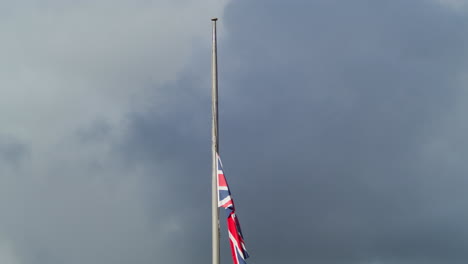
[(214, 19)]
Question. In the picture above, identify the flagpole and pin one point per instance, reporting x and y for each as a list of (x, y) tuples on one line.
[(214, 141)]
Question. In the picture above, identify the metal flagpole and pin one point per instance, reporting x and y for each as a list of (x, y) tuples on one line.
[(214, 141)]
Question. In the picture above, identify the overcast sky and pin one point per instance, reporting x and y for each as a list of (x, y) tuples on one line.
[(342, 130)]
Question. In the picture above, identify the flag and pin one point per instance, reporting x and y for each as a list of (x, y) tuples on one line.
[(236, 240)]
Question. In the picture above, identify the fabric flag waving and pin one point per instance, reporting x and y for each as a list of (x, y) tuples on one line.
[(239, 253)]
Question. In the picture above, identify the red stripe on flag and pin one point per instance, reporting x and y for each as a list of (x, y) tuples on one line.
[(221, 180)]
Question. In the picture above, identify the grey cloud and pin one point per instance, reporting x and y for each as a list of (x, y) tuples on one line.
[(327, 112), (344, 98), (70, 72), (342, 137), (12, 152)]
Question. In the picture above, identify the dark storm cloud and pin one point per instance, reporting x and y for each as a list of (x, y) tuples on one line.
[(175, 146), (326, 109)]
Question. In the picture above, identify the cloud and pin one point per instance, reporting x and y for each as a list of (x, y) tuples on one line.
[(90, 59), (71, 74), (7, 255), (458, 5), (331, 116), (341, 131), (337, 104)]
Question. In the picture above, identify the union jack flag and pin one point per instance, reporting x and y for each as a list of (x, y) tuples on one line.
[(239, 253)]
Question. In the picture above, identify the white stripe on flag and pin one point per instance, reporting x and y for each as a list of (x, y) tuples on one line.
[(236, 246), (225, 200)]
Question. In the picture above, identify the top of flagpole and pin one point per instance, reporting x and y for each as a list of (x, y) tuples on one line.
[(214, 19)]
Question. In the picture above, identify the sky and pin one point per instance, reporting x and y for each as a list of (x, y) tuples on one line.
[(342, 130)]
